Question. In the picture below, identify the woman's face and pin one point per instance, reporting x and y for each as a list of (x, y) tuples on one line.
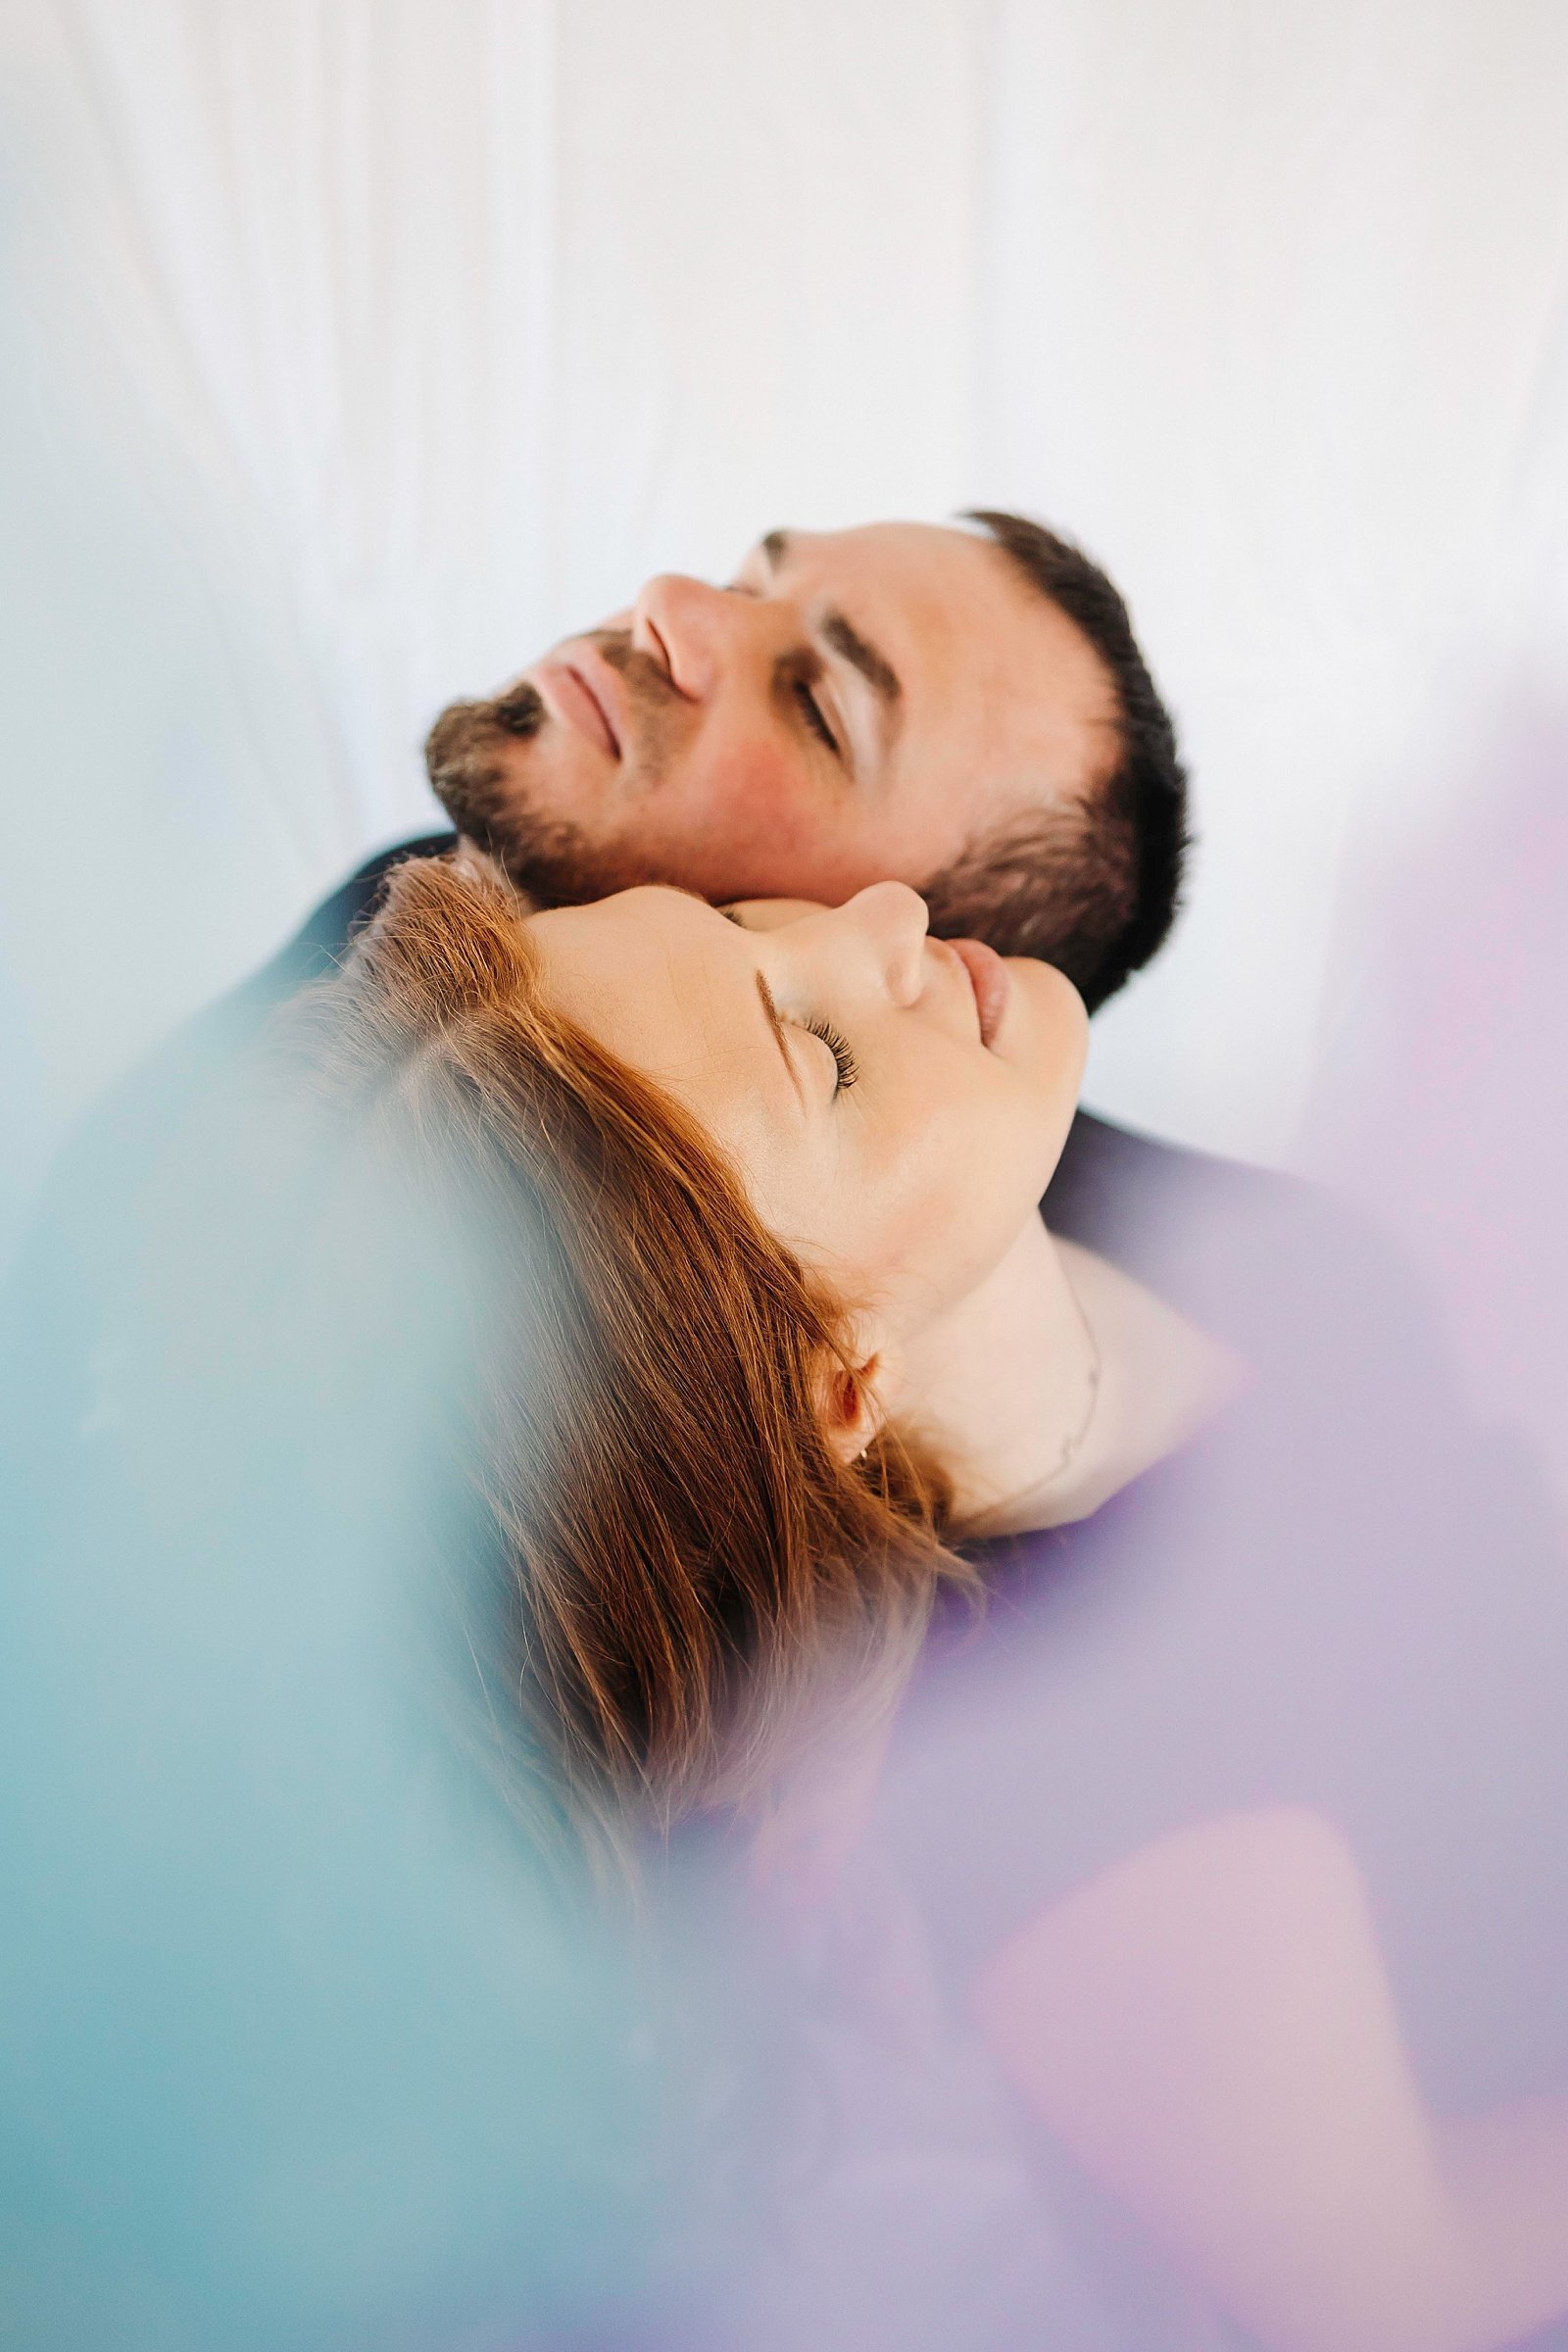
[(895, 1106)]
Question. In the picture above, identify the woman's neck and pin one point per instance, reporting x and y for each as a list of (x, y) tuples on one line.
[(1054, 1384)]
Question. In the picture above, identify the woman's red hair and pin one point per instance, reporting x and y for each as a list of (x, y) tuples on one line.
[(690, 1575)]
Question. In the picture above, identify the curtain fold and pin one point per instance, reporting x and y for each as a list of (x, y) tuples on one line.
[(423, 332)]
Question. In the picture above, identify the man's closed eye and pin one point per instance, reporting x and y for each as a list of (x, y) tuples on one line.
[(811, 711)]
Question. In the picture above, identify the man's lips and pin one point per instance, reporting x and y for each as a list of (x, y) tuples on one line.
[(577, 693), (990, 979)]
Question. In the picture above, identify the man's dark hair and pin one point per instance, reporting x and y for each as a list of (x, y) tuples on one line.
[(1090, 885)]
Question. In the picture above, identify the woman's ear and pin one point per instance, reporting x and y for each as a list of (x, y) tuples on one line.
[(854, 1392)]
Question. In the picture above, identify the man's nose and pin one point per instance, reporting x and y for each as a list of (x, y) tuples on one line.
[(692, 630), (886, 925)]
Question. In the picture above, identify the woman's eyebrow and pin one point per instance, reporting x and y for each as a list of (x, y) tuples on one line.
[(775, 1018), (778, 1027)]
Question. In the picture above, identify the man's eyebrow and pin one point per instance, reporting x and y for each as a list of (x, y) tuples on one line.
[(777, 1026), (841, 634), (874, 667)]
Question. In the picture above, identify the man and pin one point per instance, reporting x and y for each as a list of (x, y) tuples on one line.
[(966, 711)]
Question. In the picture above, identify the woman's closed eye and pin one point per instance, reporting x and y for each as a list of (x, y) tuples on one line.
[(849, 1069)]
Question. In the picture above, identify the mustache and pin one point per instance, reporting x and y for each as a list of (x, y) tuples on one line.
[(648, 682), (465, 749), (519, 712)]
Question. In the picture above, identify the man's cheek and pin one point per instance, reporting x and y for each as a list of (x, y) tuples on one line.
[(737, 768), (554, 775), (759, 794)]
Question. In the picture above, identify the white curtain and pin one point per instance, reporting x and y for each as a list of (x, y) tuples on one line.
[(356, 348)]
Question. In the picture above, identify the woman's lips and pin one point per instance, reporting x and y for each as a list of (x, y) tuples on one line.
[(575, 698), (990, 979)]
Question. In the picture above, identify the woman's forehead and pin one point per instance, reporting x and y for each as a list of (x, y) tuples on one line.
[(667, 983)]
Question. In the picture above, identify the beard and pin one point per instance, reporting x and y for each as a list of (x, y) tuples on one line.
[(474, 774)]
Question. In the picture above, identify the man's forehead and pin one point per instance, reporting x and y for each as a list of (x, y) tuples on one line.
[(889, 548), (943, 605), (995, 673)]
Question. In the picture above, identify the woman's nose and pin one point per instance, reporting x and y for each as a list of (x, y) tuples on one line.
[(691, 629), (890, 920)]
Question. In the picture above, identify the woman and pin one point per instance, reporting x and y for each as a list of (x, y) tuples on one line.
[(826, 1325), (792, 1323)]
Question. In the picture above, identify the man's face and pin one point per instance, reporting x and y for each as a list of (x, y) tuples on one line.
[(854, 707)]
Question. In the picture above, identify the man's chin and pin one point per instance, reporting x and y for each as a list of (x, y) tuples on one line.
[(556, 864), (466, 756)]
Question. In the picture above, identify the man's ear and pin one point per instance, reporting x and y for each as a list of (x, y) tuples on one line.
[(854, 1392)]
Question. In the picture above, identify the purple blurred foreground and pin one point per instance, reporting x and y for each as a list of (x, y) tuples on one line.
[(1450, 1120), (1349, 1595)]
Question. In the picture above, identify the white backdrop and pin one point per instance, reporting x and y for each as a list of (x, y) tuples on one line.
[(352, 349)]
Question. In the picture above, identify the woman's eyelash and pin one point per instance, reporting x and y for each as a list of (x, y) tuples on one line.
[(849, 1069), (844, 1062), (811, 712)]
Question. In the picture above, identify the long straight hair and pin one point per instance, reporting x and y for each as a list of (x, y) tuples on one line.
[(688, 1583)]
